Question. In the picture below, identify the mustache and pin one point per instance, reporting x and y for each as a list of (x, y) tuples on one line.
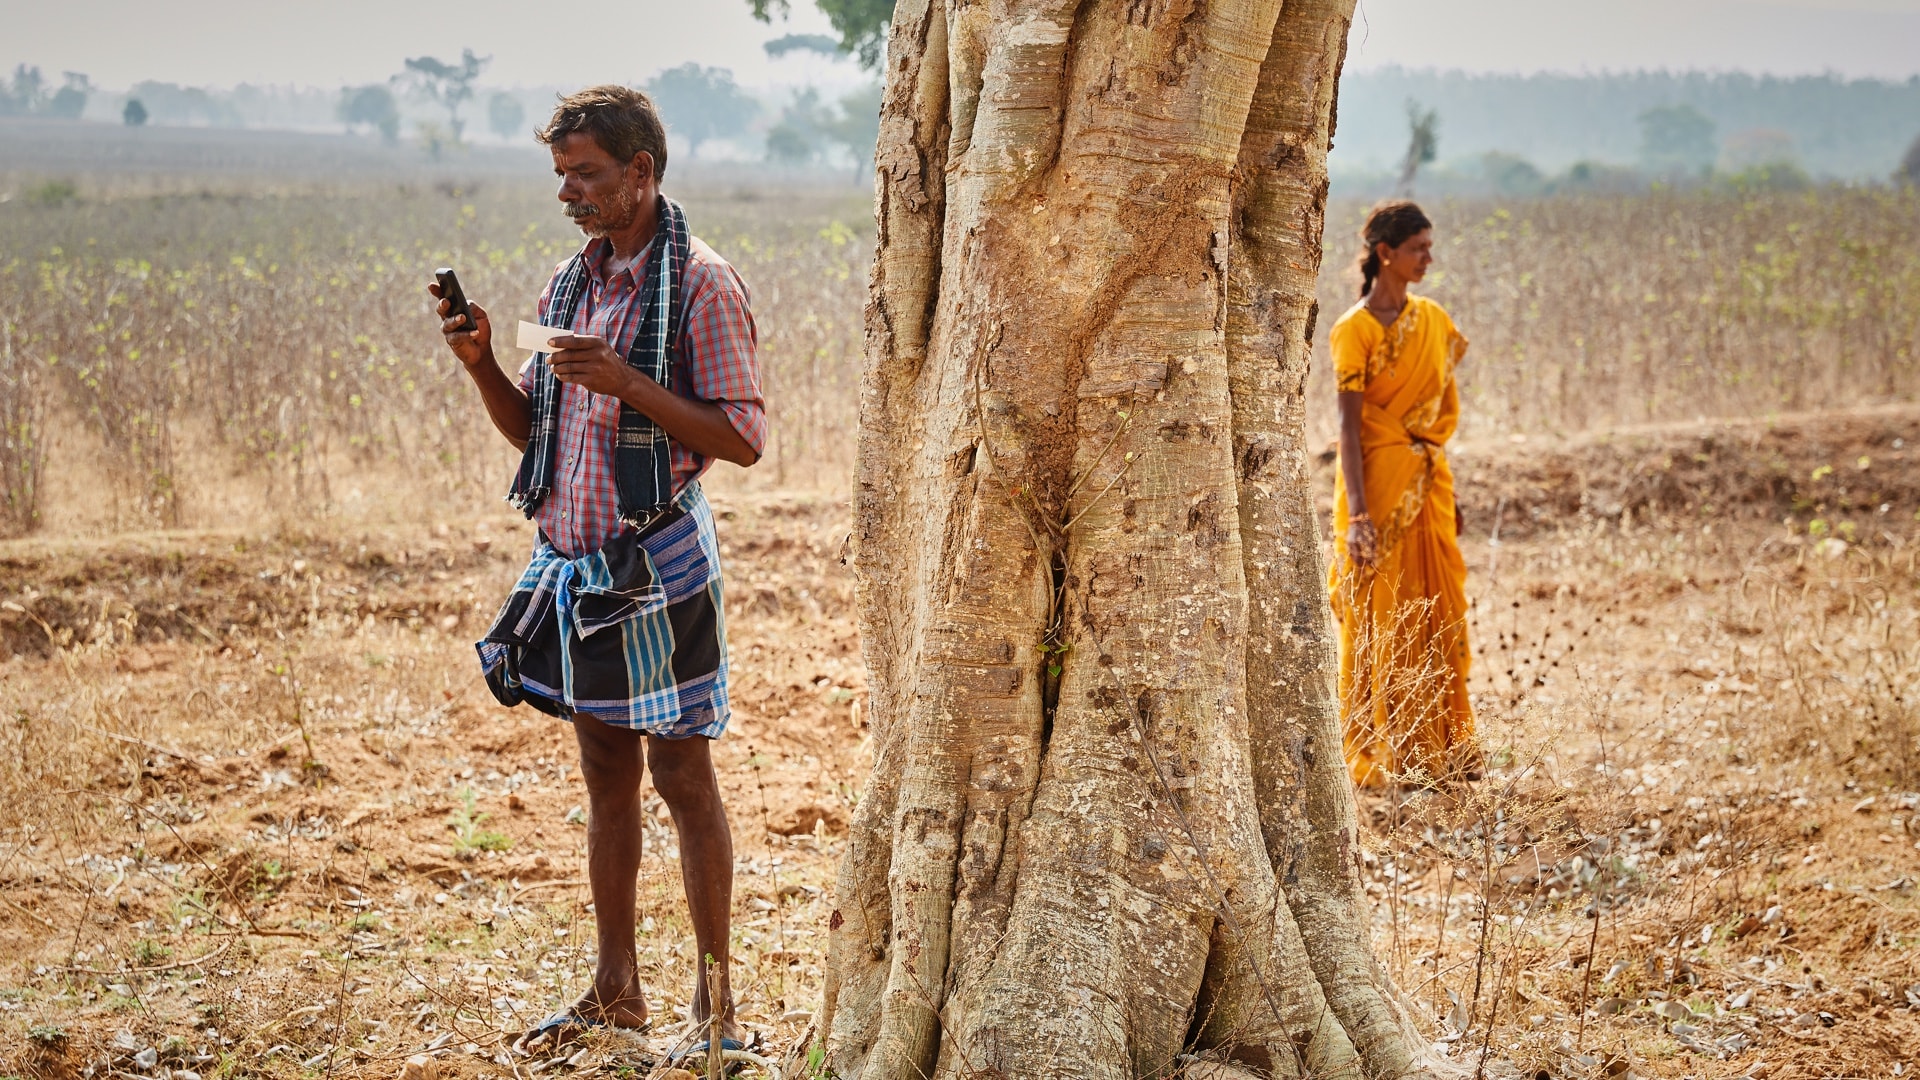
[(580, 210)]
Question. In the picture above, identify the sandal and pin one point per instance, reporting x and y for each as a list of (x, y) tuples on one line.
[(704, 1046), (556, 1031)]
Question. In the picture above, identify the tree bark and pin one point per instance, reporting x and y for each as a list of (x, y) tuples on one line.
[(1108, 828)]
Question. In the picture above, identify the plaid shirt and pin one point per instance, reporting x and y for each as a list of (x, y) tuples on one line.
[(713, 361)]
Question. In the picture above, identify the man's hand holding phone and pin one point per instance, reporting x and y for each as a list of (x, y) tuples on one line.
[(465, 325)]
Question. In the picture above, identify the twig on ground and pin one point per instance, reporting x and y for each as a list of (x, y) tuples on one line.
[(525, 889), (189, 962), (1586, 981), (135, 741), (35, 916)]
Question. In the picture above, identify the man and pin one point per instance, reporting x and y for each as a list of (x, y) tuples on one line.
[(616, 623)]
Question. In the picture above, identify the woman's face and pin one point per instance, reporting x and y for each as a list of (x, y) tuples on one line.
[(1411, 259)]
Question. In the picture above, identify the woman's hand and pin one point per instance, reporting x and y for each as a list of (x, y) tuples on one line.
[(1459, 521), (1363, 544)]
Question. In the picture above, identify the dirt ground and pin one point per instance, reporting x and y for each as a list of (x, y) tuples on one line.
[(260, 816)]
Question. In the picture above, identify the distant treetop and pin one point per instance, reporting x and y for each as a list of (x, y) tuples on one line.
[(370, 106), (449, 84), (861, 24), (700, 103), (505, 115), (1676, 139), (1909, 171), (27, 93), (819, 43)]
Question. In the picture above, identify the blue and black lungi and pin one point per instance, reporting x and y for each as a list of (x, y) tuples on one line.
[(633, 635)]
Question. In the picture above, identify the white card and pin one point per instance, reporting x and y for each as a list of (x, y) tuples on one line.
[(534, 337)]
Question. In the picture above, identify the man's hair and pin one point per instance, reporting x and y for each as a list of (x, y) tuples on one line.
[(621, 119)]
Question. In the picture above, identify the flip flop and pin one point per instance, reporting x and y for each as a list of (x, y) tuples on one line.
[(703, 1046), (559, 1029)]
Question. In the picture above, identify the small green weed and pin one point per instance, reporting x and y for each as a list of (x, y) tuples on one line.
[(267, 878), (468, 836), (47, 1034), (57, 192)]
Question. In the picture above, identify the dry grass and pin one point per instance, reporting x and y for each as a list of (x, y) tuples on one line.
[(1647, 690), (1702, 735), (278, 824)]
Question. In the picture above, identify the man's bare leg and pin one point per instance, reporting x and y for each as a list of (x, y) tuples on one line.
[(683, 774), (612, 765)]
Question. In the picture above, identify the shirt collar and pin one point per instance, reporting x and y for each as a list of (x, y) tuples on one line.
[(599, 254)]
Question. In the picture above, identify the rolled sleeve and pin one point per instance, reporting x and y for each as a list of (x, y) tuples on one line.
[(723, 366)]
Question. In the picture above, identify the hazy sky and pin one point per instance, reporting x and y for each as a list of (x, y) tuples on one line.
[(222, 42)]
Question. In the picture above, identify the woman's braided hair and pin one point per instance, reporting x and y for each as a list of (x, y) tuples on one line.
[(1391, 223)]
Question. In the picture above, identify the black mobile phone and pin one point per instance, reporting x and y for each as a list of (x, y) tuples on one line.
[(456, 299)]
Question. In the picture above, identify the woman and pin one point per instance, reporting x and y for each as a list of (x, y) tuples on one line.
[(1398, 581)]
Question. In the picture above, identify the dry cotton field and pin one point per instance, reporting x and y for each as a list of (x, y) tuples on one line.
[(258, 818)]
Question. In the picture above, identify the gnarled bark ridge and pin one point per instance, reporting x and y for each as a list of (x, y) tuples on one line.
[(1108, 826)]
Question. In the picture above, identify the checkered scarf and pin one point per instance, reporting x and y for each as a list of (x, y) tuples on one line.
[(643, 467)]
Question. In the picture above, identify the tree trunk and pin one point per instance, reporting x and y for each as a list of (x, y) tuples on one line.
[(1108, 828)]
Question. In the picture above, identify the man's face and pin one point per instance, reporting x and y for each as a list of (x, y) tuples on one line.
[(600, 194)]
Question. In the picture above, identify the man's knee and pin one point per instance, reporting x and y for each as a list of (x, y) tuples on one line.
[(683, 772), (611, 763)]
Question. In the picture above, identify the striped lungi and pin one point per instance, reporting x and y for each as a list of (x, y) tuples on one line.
[(633, 635)]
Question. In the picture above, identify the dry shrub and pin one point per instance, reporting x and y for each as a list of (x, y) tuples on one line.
[(210, 345), (1818, 661), (22, 444), (285, 345)]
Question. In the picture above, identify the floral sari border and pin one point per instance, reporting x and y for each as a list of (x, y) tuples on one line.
[(1412, 501), (1385, 355)]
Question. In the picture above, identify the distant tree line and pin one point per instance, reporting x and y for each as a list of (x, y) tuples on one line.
[(1845, 128), (1679, 146), (28, 93)]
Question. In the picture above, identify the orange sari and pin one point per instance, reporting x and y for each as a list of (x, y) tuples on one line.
[(1404, 712)]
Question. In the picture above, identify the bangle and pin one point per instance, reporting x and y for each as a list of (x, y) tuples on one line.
[(1356, 519)]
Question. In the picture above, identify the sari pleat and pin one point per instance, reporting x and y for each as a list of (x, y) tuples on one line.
[(1404, 657)]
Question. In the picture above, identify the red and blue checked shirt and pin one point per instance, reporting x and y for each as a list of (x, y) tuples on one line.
[(713, 361)]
